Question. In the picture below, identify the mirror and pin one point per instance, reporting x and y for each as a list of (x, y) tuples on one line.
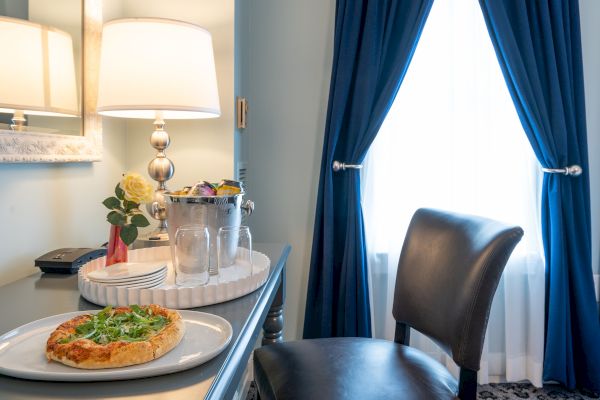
[(62, 18), (54, 116)]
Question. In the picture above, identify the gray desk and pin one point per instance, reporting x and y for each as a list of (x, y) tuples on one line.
[(42, 295)]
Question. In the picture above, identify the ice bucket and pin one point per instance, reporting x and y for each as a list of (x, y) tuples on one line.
[(211, 211)]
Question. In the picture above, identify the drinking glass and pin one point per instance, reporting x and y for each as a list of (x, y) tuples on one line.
[(192, 255), (234, 246)]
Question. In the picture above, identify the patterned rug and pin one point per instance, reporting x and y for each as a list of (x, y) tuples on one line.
[(508, 391)]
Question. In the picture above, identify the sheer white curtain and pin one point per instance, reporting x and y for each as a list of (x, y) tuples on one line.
[(452, 140)]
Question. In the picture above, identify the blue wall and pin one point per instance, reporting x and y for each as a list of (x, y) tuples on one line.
[(286, 51)]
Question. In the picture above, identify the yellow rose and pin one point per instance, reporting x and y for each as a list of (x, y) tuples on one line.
[(136, 188)]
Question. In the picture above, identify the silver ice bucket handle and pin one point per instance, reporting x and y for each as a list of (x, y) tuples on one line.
[(247, 208)]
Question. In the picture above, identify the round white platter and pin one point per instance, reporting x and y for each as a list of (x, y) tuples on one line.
[(155, 281), (231, 283), (23, 351), (127, 270)]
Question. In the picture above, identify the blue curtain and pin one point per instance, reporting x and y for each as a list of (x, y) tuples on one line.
[(373, 45), (538, 45)]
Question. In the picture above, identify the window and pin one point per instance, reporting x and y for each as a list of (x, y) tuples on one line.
[(453, 140)]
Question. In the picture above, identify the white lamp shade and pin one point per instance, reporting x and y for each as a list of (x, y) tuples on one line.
[(37, 71), (152, 64)]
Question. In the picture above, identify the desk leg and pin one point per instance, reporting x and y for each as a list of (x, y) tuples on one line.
[(273, 326)]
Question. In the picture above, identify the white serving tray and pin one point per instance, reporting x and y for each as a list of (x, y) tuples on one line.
[(231, 283)]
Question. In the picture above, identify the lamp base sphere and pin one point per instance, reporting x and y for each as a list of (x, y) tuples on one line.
[(161, 169)]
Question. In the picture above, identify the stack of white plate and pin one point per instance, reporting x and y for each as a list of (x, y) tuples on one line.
[(140, 275)]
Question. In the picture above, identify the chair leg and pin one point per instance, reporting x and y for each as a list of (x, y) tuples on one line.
[(402, 334), (467, 384)]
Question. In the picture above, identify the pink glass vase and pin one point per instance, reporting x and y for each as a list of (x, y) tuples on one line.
[(117, 249)]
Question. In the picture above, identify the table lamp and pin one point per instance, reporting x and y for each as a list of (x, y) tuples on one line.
[(37, 72), (157, 69)]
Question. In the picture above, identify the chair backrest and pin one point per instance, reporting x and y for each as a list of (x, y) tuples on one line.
[(448, 272)]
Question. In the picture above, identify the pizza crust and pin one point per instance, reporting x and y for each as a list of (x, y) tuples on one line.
[(86, 354)]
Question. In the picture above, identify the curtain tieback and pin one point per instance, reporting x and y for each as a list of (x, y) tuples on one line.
[(573, 170), (340, 166)]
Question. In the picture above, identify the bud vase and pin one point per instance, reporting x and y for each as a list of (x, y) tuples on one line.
[(117, 249)]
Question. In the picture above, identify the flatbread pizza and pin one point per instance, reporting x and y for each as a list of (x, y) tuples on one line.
[(116, 337)]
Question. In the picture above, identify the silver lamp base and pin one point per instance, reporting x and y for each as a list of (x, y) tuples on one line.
[(161, 169)]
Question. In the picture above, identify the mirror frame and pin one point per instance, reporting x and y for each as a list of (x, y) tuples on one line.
[(34, 147)]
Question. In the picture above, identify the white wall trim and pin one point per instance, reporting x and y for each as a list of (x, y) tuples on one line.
[(597, 286)]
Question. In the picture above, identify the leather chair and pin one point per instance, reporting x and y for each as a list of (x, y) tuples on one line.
[(448, 272)]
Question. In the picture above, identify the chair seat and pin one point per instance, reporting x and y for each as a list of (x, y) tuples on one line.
[(349, 368)]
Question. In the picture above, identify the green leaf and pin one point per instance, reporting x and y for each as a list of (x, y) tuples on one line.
[(136, 309), (129, 233), (119, 192), (112, 203), (130, 205), (116, 218), (139, 220)]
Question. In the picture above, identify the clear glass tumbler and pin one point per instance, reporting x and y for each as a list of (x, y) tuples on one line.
[(192, 255), (234, 246)]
